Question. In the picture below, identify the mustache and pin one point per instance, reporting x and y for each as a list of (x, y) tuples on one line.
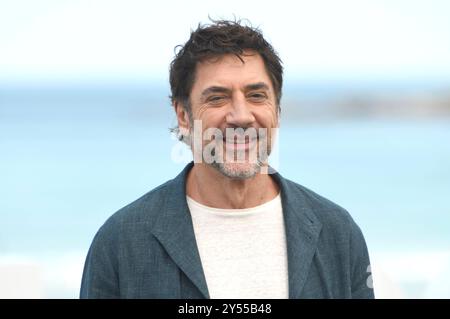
[(230, 134), (243, 134)]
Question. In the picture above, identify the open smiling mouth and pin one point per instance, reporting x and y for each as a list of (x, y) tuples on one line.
[(240, 143)]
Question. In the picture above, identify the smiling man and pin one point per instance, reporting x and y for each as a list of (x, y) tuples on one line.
[(228, 226), (234, 98)]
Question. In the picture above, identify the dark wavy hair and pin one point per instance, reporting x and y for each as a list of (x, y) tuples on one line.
[(216, 39)]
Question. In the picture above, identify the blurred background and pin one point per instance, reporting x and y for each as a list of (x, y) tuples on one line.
[(84, 118)]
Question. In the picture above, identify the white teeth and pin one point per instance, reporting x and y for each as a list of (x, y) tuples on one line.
[(232, 141)]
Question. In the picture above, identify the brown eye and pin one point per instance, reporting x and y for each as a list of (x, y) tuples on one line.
[(258, 97), (216, 99)]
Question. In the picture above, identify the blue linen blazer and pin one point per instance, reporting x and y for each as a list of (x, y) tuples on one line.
[(148, 249)]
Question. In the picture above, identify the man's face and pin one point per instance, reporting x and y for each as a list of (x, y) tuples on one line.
[(228, 94)]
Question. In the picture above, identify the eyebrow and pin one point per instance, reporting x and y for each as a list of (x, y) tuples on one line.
[(214, 89), (257, 86), (221, 89)]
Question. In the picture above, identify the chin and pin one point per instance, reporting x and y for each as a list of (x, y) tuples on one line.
[(237, 170)]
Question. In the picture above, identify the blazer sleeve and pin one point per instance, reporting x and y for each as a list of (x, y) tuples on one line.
[(100, 277), (362, 286)]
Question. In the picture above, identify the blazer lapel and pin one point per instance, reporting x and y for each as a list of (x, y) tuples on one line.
[(175, 232), (302, 233)]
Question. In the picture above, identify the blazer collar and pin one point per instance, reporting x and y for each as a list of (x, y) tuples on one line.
[(175, 231), (302, 233)]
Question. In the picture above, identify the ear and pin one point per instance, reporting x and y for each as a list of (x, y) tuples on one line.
[(182, 115), (278, 117)]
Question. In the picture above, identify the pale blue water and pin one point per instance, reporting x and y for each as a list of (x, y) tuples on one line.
[(69, 159)]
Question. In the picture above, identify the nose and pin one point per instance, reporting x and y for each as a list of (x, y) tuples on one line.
[(240, 114)]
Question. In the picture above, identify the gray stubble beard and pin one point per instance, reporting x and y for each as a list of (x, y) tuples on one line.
[(245, 170), (239, 170)]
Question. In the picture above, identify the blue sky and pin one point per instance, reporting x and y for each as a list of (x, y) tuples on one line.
[(53, 40)]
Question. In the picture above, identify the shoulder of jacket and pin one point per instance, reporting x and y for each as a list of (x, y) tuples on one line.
[(329, 213)]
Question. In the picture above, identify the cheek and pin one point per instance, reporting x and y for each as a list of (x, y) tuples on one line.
[(268, 118), (212, 118)]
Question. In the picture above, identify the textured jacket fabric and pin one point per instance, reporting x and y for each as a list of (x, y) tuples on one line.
[(148, 249)]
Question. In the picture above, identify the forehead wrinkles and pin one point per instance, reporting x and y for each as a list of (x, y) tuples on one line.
[(226, 70)]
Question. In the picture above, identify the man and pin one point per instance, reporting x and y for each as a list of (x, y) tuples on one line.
[(228, 226)]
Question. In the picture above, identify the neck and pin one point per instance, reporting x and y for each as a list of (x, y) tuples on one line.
[(209, 187)]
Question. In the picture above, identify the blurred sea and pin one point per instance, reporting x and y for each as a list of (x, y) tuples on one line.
[(70, 157)]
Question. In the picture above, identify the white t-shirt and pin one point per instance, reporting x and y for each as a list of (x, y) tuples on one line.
[(243, 251)]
